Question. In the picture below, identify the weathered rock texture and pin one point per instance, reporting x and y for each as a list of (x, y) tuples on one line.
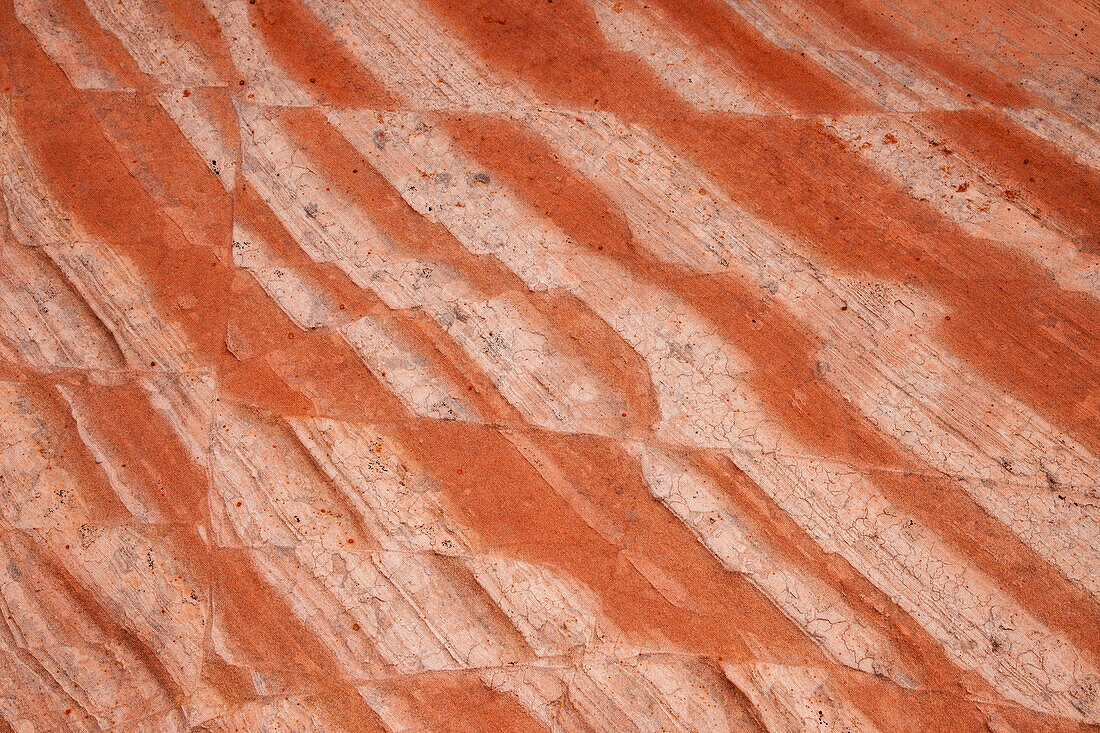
[(569, 365)]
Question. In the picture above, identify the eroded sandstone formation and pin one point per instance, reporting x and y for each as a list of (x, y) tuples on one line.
[(549, 365)]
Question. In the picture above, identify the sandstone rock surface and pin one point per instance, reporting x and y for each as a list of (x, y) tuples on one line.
[(549, 365)]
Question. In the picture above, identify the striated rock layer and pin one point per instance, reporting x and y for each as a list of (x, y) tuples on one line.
[(550, 365)]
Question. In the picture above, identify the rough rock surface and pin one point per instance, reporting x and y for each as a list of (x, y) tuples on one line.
[(550, 365)]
